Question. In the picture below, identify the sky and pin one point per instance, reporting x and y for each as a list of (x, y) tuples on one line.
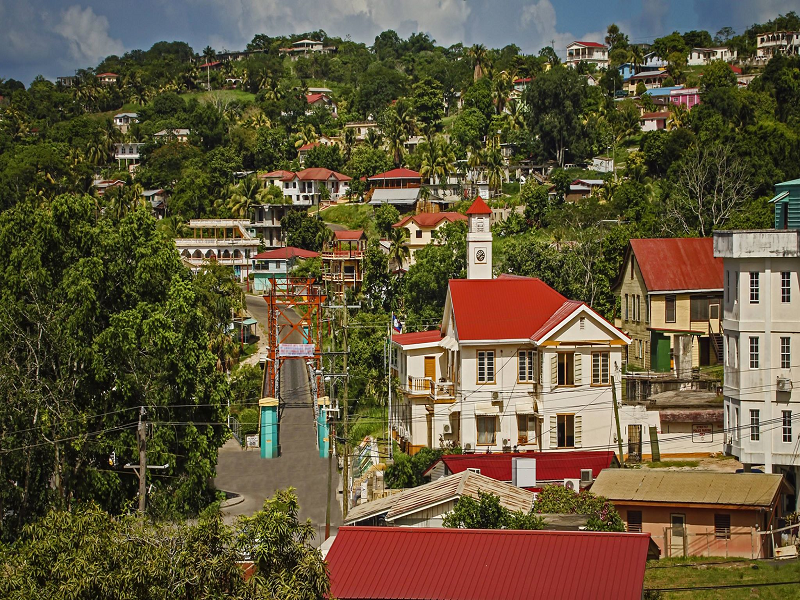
[(53, 38)]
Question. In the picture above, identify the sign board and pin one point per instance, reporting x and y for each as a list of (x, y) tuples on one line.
[(251, 441), (296, 350), (702, 433)]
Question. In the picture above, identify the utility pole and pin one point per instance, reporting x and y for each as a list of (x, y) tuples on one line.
[(616, 418), (331, 438), (346, 484), (142, 436)]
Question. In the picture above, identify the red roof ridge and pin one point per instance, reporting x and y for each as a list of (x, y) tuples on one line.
[(479, 207), (399, 173)]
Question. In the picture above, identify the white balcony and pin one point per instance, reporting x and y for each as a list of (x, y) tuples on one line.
[(439, 391)]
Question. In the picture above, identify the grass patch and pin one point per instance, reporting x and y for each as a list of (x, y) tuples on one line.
[(368, 420), (665, 464), (352, 216), (692, 573), (225, 95)]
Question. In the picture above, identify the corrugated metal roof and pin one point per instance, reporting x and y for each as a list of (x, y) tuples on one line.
[(367, 510), (401, 173), (286, 253), (453, 487), (394, 196), (411, 563), (688, 487), (346, 235), (550, 466), (677, 264), (527, 305), (417, 337), (430, 219)]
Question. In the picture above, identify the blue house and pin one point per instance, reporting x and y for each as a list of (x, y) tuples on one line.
[(276, 264), (787, 205)]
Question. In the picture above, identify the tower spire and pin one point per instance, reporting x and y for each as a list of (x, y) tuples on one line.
[(479, 241)]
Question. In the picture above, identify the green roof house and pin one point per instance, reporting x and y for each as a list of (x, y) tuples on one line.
[(787, 205)]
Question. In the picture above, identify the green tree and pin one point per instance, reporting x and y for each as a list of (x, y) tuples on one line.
[(386, 215), (536, 201), (327, 157), (301, 230), (717, 74), (469, 127), (487, 513), (558, 499), (427, 100), (398, 251)]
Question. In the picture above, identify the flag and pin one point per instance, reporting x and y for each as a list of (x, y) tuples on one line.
[(396, 325)]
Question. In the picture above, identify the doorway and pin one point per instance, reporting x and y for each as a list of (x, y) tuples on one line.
[(634, 443), (677, 541), (430, 371)]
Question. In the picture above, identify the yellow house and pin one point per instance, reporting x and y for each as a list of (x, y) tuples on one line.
[(670, 293), (420, 230)]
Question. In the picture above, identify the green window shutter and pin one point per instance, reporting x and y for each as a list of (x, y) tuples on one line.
[(553, 432), (578, 369), (578, 431)]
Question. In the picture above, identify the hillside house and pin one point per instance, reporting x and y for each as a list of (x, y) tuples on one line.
[(670, 293), (774, 43), (172, 135), (588, 52), (686, 97), (654, 121), (420, 230), (320, 100), (696, 513), (224, 241), (306, 48), (703, 56), (107, 78), (276, 264), (123, 121), (508, 347), (650, 79), (343, 261), (128, 154), (303, 188), (583, 188), (468, 564), (398, 187), (361, 128), (158, 202)]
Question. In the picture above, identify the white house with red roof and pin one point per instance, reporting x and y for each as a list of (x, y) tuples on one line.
[(276, 264), (421, 230), (589, 52), (321, 101), (303, 187), (514, 365), (107, 78)]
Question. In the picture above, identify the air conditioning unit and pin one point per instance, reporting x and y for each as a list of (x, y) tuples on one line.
[(572, 484), (784, 384), (446, 428), (586, 476)]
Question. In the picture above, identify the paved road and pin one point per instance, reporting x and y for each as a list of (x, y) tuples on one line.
[(299, 465)]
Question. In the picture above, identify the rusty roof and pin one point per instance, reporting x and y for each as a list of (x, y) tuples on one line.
[(415, 563), (688, 487), (677, 264)]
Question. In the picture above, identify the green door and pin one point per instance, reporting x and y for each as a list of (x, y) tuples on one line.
[(660, 347)]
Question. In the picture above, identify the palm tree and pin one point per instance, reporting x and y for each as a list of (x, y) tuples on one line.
[(406, 117), (494, 169), (349, 141), (395, 140), (480, 60), (324, 236), (306, 135), (502, 85), (373, 139), (398, 251), (516, 115), (677, 116), (245, 197), (635, 56)]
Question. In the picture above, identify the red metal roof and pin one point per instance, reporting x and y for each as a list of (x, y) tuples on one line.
[(412, 563), (418, 337), (677, 264), (306, 147), (550, 466), (523, 80), (108, 75), (527, 304), (348, 235), (430, 219), (287, 253), (320, 174), (277, 175), (479, 207), (210, 64), (589, 44), (401, 173), (311, 98)]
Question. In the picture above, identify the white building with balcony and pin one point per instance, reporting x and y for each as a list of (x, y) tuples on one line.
[(514, 365), (761, 321), (777, 42), (703, 56), (224, 241), (588, 52), (128, 154), (304, 188)]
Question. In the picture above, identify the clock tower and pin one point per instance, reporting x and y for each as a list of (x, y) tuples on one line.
[(479, 241)]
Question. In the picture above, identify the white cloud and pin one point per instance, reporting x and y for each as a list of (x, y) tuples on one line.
[(541, 17), (87, 35)]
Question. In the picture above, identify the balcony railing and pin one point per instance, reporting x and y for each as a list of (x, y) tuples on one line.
[(425, 386), (342, 254), (342, 277)]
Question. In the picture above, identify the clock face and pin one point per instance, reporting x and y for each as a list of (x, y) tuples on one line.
[(480, 255)]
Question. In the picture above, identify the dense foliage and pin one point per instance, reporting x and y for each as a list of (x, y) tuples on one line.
[(558, 499), (487, 513)]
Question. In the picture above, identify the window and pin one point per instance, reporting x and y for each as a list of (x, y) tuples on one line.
[(566, 431), (755, 425), (525, 368), (487, 429), (753, 352), (670, 309), (632, 259), (786, 287), (787, 425), (786, 353), (566, 368), (722, 527), (626, 307), (753, 287), (486, 366), (600, 367), (635, 521), (638, 308), (526, 429), (699, 308), (419, 233)]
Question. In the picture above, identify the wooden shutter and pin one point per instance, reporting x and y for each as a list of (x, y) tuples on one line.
[(553, 432), (553, 371), (578, 431), (578, 369)]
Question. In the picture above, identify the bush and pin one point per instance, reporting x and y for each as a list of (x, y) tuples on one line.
[(248, 418), (558, 499)]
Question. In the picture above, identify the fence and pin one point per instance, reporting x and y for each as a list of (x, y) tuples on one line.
[(678, 542), (236, 429)]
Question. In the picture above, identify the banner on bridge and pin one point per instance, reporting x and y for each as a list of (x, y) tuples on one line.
[(296, 350)]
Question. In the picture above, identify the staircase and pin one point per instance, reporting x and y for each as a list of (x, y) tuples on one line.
[(716, 342)]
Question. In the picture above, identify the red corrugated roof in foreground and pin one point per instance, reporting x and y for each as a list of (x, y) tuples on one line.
[(479, 207), (287, 252), (550, 466), (417, 337), (676, 264), (401, 173), (506, 308), (411, 563)]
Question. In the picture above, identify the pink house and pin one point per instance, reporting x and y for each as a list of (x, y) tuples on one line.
[(687, 97)]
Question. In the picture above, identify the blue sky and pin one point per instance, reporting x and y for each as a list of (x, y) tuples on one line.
[(52, 38)]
